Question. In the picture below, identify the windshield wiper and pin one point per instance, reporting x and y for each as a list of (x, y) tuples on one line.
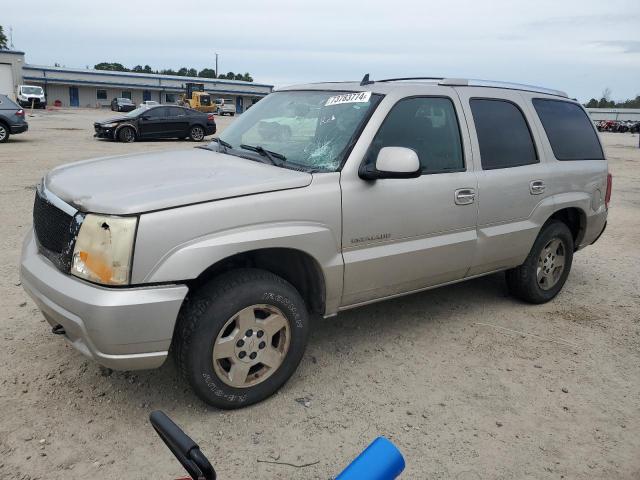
[(266, 153), (226, 145)]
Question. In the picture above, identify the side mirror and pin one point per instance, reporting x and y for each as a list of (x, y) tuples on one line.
[(185, 450), (392, 162)]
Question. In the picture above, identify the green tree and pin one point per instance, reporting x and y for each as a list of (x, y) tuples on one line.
[(112, 66), (137, 69), (207, 73), (147, 69), (593, 103), (247, 78), (3, 39)]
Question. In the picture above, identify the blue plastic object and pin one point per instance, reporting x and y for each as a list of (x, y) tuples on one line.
[(379, 461)]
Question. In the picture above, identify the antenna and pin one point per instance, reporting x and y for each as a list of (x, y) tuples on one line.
[(11, 37), (366, 81)]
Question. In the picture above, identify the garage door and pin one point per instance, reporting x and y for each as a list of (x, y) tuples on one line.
[(6, 79)]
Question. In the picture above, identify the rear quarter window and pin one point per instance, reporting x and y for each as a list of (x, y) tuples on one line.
[(569, 130)]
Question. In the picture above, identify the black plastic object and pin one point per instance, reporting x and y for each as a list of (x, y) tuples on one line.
[(58, 330), (366, 81), (182, 446)]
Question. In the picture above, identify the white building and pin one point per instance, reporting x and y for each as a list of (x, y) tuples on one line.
[(77, 87)]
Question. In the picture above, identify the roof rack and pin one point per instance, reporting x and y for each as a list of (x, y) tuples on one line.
[(466, 82), (497, 84)]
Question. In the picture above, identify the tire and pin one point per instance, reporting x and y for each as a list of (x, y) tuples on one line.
[(126, 135), (539, 279), (5, 133), (197, 133), (212, 314)]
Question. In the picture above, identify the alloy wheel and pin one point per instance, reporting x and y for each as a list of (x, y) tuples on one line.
[(251, 346), (551, 263)]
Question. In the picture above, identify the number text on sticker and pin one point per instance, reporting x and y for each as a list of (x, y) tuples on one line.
[(357, 97)]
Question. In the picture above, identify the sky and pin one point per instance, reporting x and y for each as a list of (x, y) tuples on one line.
[(579, 46)]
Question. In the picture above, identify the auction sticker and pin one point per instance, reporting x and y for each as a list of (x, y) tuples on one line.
[(358, 97)]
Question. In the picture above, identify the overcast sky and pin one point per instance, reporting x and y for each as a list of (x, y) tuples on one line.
[(581, 46)]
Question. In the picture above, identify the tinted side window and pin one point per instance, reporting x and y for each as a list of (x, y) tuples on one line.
[(427, 125), (569, 130), (503, 134), (157, 112), (175, 112)]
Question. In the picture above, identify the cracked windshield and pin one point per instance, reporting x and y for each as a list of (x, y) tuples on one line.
[(302, 129)]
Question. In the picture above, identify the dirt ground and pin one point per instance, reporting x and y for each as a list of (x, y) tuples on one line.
[(468, 382)]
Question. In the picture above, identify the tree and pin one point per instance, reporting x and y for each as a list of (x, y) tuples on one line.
[(112, 66), (3, 40), (137, 69), (207, 73), (147, 69), (247, 78), (593, 103)]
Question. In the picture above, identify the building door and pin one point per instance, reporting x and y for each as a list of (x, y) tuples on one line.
[(146, 95), (239, 104), (74, 98), (6, 80)]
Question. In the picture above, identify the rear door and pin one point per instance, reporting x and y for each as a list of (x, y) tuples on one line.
[(401, 235), (513, 178), (177, 122)]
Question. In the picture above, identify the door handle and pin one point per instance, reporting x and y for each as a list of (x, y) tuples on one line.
[(536, 187), (464, 196)]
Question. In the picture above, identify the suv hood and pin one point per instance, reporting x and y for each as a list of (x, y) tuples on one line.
[(131, 184)]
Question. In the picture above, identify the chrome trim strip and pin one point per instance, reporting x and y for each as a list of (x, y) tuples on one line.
[(56, 201)]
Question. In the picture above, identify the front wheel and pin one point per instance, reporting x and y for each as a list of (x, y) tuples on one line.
[(240, 337), (126, 135), (543, 274)]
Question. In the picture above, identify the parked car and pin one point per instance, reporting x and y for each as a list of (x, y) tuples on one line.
[(11, 119), (157, 122), (122, 105), (226, 254), (31, 95), (149, 103), (225, 106)]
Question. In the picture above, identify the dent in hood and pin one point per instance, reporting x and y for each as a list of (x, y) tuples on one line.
[(132, 184)]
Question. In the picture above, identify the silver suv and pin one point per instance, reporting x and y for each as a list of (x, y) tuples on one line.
[(320, 198)]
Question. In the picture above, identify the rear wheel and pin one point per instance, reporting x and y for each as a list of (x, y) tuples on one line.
[(240, 337), (543, 274), (196, 133), (4, 133), (126, 135)]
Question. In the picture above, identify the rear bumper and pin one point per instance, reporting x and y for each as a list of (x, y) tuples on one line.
[(21, 128), (120, 328)]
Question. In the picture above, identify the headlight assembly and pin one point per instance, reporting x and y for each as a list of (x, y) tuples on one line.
[(109, 125), (104, 249)]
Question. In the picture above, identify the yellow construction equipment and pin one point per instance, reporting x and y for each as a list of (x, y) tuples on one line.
[(195, 97)]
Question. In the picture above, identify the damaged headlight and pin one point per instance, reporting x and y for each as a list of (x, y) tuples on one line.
[(104, 249)]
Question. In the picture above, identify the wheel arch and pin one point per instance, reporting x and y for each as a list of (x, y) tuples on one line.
[(297, 267), (575, 219), (119, 127)]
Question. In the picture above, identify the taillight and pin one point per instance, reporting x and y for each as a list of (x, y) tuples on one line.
[(210, 118), (20, 113), (607, 197)]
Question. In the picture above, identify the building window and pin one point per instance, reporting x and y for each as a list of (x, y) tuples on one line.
[(503, 134), (101, 94), (170, 97), (126, 94)]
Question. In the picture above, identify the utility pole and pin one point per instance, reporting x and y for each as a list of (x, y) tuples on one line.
[(217, 73)]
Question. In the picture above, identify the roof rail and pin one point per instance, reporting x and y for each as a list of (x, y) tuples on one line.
[(497, 84), (409, 78)]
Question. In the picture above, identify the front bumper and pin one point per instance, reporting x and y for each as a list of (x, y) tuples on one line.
[(102, 132), (20, 128), (120, 328)]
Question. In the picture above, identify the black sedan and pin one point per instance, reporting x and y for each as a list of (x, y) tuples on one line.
[(122, 105), (157, 122)]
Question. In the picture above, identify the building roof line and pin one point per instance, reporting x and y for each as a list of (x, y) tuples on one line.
[(90, 71)]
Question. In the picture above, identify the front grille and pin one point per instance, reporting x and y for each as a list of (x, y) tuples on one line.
[(55, 232)]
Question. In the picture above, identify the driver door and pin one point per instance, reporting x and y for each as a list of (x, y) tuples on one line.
[(153, 122), (402, 235)]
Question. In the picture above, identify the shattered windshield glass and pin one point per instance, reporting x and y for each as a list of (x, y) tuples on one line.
[(308, 129)]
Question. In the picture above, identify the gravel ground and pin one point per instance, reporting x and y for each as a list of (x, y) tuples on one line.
[(468, 382)]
